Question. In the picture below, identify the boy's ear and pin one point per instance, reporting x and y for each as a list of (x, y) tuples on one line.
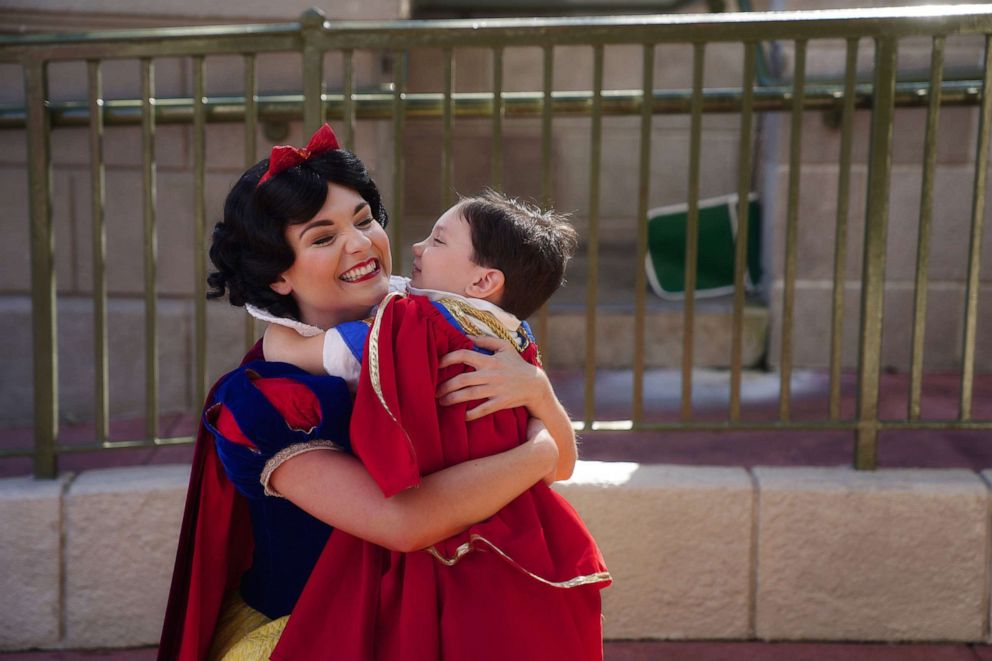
[(488, 285), (281, 286)]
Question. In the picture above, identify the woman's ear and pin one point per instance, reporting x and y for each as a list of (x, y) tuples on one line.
[(488, 285), (282, 286)]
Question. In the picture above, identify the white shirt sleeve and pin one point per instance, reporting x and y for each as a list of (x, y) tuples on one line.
[(339, 361)]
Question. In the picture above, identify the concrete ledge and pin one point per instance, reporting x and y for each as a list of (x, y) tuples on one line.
[(883, 555), (122, 529), (696, 552), (31, 561), (677, 540)]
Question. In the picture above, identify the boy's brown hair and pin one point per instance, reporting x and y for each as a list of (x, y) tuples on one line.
[(531, 247)]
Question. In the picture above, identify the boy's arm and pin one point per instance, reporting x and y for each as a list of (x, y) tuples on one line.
[(505, 380), (285, 345)]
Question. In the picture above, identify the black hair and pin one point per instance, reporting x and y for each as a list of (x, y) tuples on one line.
[(249, 247), (531, 247)]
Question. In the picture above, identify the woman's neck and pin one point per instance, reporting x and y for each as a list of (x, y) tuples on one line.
[(327, 320)]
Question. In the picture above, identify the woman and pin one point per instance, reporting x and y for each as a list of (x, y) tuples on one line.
[(303, 240)]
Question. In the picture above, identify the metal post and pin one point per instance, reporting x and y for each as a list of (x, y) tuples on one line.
[(873, 274), (312, 23), (43, 313)]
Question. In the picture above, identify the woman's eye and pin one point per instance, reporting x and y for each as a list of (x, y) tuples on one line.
[(367, 222), (324, 240)]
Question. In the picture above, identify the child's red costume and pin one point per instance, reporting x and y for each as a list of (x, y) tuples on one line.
[(523, 584)]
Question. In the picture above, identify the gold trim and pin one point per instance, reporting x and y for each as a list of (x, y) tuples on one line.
[(287, 453), (374, 354), (468, 546), (464, 312)]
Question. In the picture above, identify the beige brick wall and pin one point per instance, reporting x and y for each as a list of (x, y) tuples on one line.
[(695, 553)]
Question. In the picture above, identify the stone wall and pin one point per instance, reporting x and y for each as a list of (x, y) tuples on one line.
[(695, 553)]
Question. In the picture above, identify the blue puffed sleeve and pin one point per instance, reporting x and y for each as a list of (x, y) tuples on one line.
[(265, 408), (354, 334)]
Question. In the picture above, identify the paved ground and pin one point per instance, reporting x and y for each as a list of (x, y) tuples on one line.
[(668, 651)]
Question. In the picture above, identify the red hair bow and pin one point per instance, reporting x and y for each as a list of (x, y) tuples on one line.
[(284, 157)]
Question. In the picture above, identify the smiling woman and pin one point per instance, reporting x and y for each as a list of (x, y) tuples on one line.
[(302, 242)]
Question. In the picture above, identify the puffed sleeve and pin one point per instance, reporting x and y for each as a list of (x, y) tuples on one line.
[(267, 413), (343, 348)]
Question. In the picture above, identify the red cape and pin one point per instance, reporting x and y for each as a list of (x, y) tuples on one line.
[(215, 547)]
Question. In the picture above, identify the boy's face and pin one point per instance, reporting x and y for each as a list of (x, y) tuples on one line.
[(444, 260)]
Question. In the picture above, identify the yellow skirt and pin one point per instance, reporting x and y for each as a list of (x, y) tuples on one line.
[(242, 633)]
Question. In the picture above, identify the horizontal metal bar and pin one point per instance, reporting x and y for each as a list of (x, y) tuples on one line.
[(126, 445), (893, 22), (596, 426), (7, 453), (380, 105), (774, 425), (713, 425)]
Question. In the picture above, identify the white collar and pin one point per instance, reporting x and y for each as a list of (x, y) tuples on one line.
[(306, 330)]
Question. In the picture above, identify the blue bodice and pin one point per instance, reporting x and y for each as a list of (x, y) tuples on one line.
[(249, 430)]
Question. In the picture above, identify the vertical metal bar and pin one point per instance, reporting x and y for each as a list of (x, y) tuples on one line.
[(840, 230), (975, 249), (549, 71), (448, 111), (349, 101), (199, 231), (399, 125), (743, 228), (592, 244), (251, 155), (43, 312), (497, 118), (692, 227), (150, 247), (791, 228), (643, 190), (926, 217), (312, 23), (101, 369), (873, 271)]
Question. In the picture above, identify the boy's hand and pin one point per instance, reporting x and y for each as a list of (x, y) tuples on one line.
[(504, 380)]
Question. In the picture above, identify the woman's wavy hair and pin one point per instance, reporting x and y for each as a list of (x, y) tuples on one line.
[(249, 247)]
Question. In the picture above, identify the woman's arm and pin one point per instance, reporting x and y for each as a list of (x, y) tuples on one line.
[(505, 380), (285, 345), (335, 488)]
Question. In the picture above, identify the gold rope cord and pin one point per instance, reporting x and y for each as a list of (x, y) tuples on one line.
[(468, 546), (374, 354), (464, 313)]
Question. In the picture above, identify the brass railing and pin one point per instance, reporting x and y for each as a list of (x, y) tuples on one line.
[(313, 38)]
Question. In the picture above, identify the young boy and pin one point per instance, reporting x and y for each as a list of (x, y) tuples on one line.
[(523, 584)]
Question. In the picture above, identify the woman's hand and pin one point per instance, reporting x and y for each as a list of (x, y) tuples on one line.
[(505, 380)]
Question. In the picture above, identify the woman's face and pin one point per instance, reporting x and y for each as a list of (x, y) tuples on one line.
[(342, 263)]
